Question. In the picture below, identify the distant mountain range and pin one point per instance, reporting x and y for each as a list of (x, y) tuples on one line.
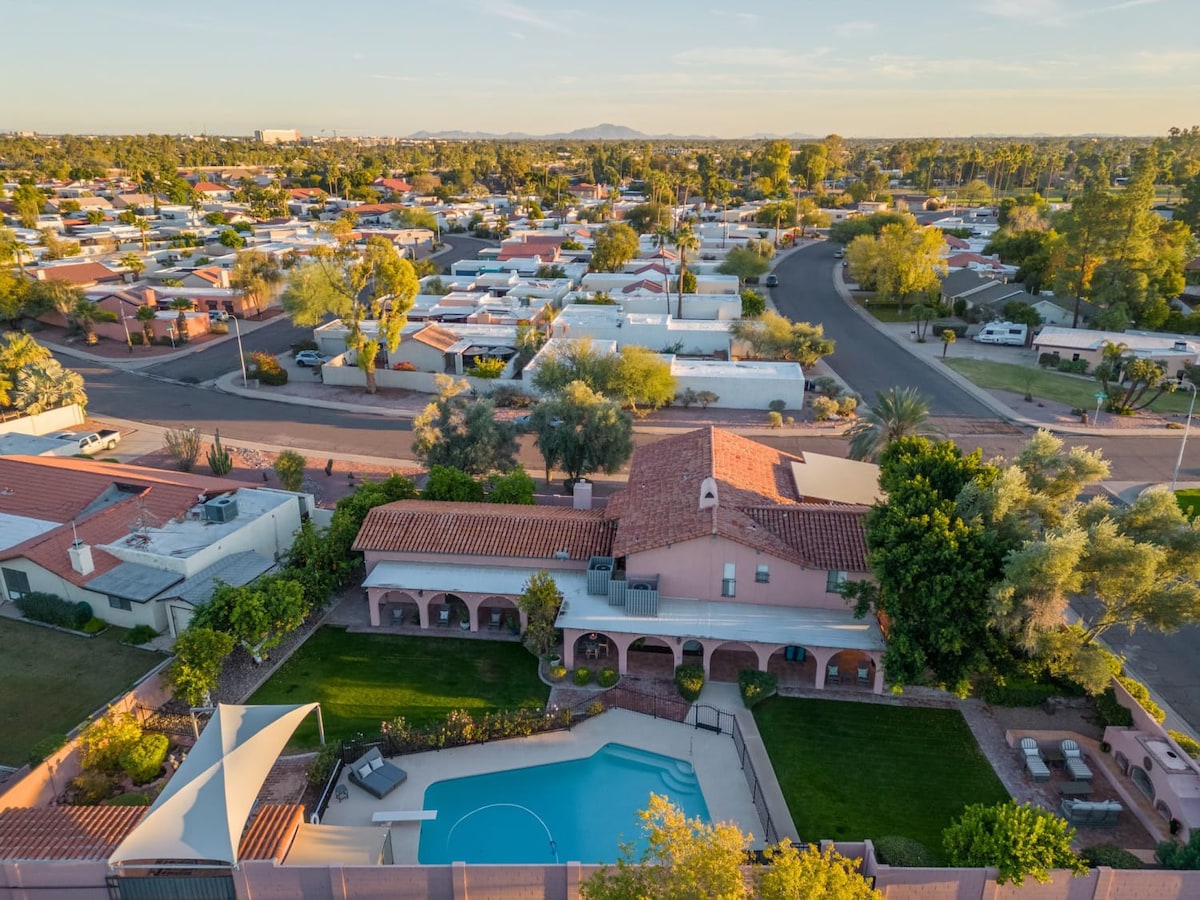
[(602, 132)]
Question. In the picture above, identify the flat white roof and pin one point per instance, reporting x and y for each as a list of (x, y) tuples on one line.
[(467, 579), (718, 368), (17, 529)]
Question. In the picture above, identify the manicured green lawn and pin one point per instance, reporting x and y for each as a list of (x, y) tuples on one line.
[(1045, 385), (51, 681), (1189, 502), (864, 770), (361, 680)]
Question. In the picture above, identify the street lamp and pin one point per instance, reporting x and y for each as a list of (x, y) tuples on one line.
[(128, 337), (237, 327), (1186, 428)]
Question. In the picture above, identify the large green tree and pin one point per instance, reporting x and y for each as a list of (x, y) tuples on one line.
[(613, 246), (376, 285), (462, 433), (1018, 840), (257, 615), (904, 262), (580, 432), (771, 336), (255, 276)]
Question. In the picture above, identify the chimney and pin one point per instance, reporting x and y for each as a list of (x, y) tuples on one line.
[(708, 493), (81, 557), (582, 498)]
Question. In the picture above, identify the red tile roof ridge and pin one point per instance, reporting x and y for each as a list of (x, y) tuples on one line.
[(271, 832), (65, 832)]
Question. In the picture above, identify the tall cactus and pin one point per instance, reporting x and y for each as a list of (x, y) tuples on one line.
[(219, 459)]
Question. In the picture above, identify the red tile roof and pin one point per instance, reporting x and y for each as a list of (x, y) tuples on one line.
[(94, 832), (435, 337), (207, 187), (486, 529), (757, 502), (78, 273), (65, 832), (654, 287), (547, 246), (399, 185)]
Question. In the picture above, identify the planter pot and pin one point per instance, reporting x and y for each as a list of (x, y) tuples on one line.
[(465, 626), (555, 661)]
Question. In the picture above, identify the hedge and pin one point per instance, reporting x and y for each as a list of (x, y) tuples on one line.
[(1001, 691), (1110, 855), (1186, 743), (45, 747), (608, 677), (690, 682), (140, 634), (896, 850), (54, 610), (1142, 696), (583, 676), (756, 686), (1111, 712), (558, 673)]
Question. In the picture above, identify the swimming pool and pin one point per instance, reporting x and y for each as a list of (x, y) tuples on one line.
[(573, 811)]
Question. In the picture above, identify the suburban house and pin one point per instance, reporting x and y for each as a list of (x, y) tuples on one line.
[(81, 274), (1172, 350), (142, 546), (720, 551)]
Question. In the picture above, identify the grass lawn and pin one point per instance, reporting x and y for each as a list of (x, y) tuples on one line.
[(1047, 385), (863, 770), (1189, 502), (361, 680), (51, 681)]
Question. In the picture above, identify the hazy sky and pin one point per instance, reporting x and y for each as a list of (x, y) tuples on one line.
[(872, 67)]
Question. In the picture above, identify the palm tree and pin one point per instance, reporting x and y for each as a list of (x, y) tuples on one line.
[(684, 239), (133, 263), (662, 237), (896, 413), (86, 314), (142, 224), (184, 306), (47, 385), (146, 315)]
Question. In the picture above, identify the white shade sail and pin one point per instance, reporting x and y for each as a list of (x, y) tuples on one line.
[(202, 811)]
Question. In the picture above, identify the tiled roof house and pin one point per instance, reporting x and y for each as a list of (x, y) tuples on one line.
[(716, 540)]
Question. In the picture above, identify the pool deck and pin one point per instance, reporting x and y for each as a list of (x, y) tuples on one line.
[(712, 755)]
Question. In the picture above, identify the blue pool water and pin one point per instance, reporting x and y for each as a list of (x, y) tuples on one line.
[(574, 811)]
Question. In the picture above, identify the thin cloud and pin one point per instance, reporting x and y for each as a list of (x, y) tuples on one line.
[(743, 18), (745, 57), (854, 29), (523, 15), (1054, 13)]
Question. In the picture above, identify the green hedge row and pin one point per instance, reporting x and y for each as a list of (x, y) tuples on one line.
[(54, 610)]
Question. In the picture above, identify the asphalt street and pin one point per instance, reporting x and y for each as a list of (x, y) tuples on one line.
[(868, 360)]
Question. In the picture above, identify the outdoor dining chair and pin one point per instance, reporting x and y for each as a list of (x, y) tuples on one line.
[(832, 676), (864, 675)]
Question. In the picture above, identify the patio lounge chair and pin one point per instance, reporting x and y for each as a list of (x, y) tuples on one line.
[(864, 675), (375, 775), (1073, 760), (494, 621), (1034, 764), (444, 615), (832, 676)]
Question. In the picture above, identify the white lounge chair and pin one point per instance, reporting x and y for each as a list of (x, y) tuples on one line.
[(1073, 760), (1034, 764)]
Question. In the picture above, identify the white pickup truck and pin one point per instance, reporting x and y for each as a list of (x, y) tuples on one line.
[(88, 442)]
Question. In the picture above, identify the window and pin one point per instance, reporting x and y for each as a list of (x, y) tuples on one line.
[(16, 583), (119, 603), (762, 575), (834, 581), (728, 580)]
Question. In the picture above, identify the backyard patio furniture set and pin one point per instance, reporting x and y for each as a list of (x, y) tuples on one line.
[(1077, 811)]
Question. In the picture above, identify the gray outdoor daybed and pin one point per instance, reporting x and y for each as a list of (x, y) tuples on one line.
[(375, 775)]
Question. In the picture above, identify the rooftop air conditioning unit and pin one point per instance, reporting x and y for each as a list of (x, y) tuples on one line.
[(222, 509)]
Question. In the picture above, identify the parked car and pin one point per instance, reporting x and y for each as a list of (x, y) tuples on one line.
[(771, 280), (88, 442), (218, 315), (839, 253), (307, 358)]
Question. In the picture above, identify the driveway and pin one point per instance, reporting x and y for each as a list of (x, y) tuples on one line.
[(866, 359)]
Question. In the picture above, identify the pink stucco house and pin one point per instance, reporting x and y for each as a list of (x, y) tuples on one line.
[(721, 551)]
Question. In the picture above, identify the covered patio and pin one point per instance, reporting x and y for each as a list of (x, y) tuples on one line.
[(475, 598), (815, 648)]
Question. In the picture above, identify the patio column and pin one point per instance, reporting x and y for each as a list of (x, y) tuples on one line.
[(373, 606), (877, 687), (422, 608), (821, 656), (706, 657), (763, 652), (473, 611), (570, 636)]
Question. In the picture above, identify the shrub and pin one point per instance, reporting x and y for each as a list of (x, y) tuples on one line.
[(266, 369), (1174, 855), (583, 676), (689, 680), (321, 767), (289, 466), (1142, 696), (134, 798), (756, 686), (753, 304), (487, 367), (54, 610), (826, 386), (1186, 743), (45, 747), (1048, 360), (608, 677), (1110, 855), (777, 406), (1072, 366), (824, 408), (1111, 712), (140, 634), (847, 405), (136, 338), (705, 398), (103, 743), (183, 446), (305, 344), (92, 787), (508, 396), (218, 327), (686, 398), (558, 673), (144, 760), (959, 307), (896, 850), (595, 707), (775, 420), (94, 626), (1018, 691)]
